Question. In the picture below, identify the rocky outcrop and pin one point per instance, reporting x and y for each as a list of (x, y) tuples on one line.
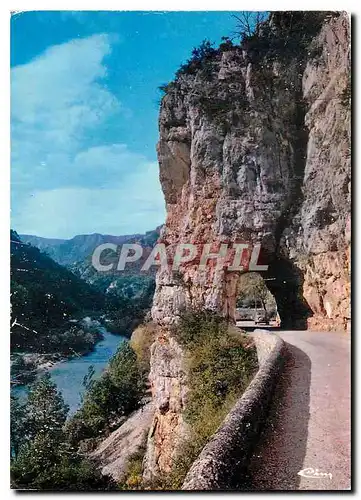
[(324, 216), (168, 383), (255, 147), (258, 150), (113, 453)]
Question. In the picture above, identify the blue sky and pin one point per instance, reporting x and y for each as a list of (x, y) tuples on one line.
[(84, 111)]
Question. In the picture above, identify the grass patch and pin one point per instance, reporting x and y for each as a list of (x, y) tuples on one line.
[(134, 475), (221, 363), (141, 340)]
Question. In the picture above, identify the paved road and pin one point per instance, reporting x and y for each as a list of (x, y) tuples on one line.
[(309, 422)]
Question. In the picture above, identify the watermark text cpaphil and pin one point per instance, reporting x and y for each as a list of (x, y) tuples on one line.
[(233, 257)]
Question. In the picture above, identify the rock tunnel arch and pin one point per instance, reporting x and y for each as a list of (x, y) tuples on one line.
[(254, 301), (285, 283)]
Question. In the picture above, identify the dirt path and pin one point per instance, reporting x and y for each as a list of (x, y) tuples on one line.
[(309, 423)]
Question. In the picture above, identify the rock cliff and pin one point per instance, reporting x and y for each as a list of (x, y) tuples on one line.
[(255, 147)]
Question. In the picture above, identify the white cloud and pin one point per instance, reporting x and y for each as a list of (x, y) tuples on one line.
[(55, 100), (106, 164), (63, 171), (59, 93), (134, 206)]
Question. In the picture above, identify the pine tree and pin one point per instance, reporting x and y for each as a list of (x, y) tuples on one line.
[(42, 432), (46, 409), (45, 459), (17, 425)]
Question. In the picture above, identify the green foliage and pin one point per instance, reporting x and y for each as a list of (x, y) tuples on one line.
[(47, 465), (166, 87), (287, 37), (127, 298), (221, 363), (68, 340), (201, 59), (88, 379), (17, 424), (46, 410), (116, 394), (42, 459), (141, 340), (43, 413), (75, 339), (123, 367), (134, 472), (226, 44), (22, 372), (253, 289), (126, 306), (196, 325)]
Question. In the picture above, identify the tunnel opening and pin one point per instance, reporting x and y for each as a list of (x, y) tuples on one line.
[(254, 302), (285, 281), (273, 296)]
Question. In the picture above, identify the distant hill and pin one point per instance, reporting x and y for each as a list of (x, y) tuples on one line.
[(129, 293), (76, 254), (45, 296), (41, 243), (74, 250)]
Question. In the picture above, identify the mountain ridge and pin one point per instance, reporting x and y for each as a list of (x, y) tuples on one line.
[(68, 252)]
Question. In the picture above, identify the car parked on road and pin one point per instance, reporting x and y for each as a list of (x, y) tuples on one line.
[(261, 318)]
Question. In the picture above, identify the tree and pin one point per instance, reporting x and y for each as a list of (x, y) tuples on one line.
[(43, 414), (17, 424), (44, 459), (253, 289), (123, 368), (46, 465), (43, 435), (46, 410), (88, 379), (117, 393), (249, 23), (201, 58), (43, 295)]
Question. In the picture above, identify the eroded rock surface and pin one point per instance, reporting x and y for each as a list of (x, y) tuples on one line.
[(168, 384), (255, 147), (113, 454)]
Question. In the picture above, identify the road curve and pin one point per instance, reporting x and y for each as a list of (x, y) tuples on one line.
[(309, 422)]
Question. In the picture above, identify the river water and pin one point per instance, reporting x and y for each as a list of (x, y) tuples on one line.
[(69, 375)]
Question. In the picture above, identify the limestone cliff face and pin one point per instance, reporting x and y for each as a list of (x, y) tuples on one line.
[(324, 217), (168, 429), (255, 147)]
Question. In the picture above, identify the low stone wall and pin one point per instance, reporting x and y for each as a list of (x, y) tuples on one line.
[(225, 457)]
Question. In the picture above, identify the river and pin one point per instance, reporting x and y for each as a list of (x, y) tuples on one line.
[(69, 375)]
